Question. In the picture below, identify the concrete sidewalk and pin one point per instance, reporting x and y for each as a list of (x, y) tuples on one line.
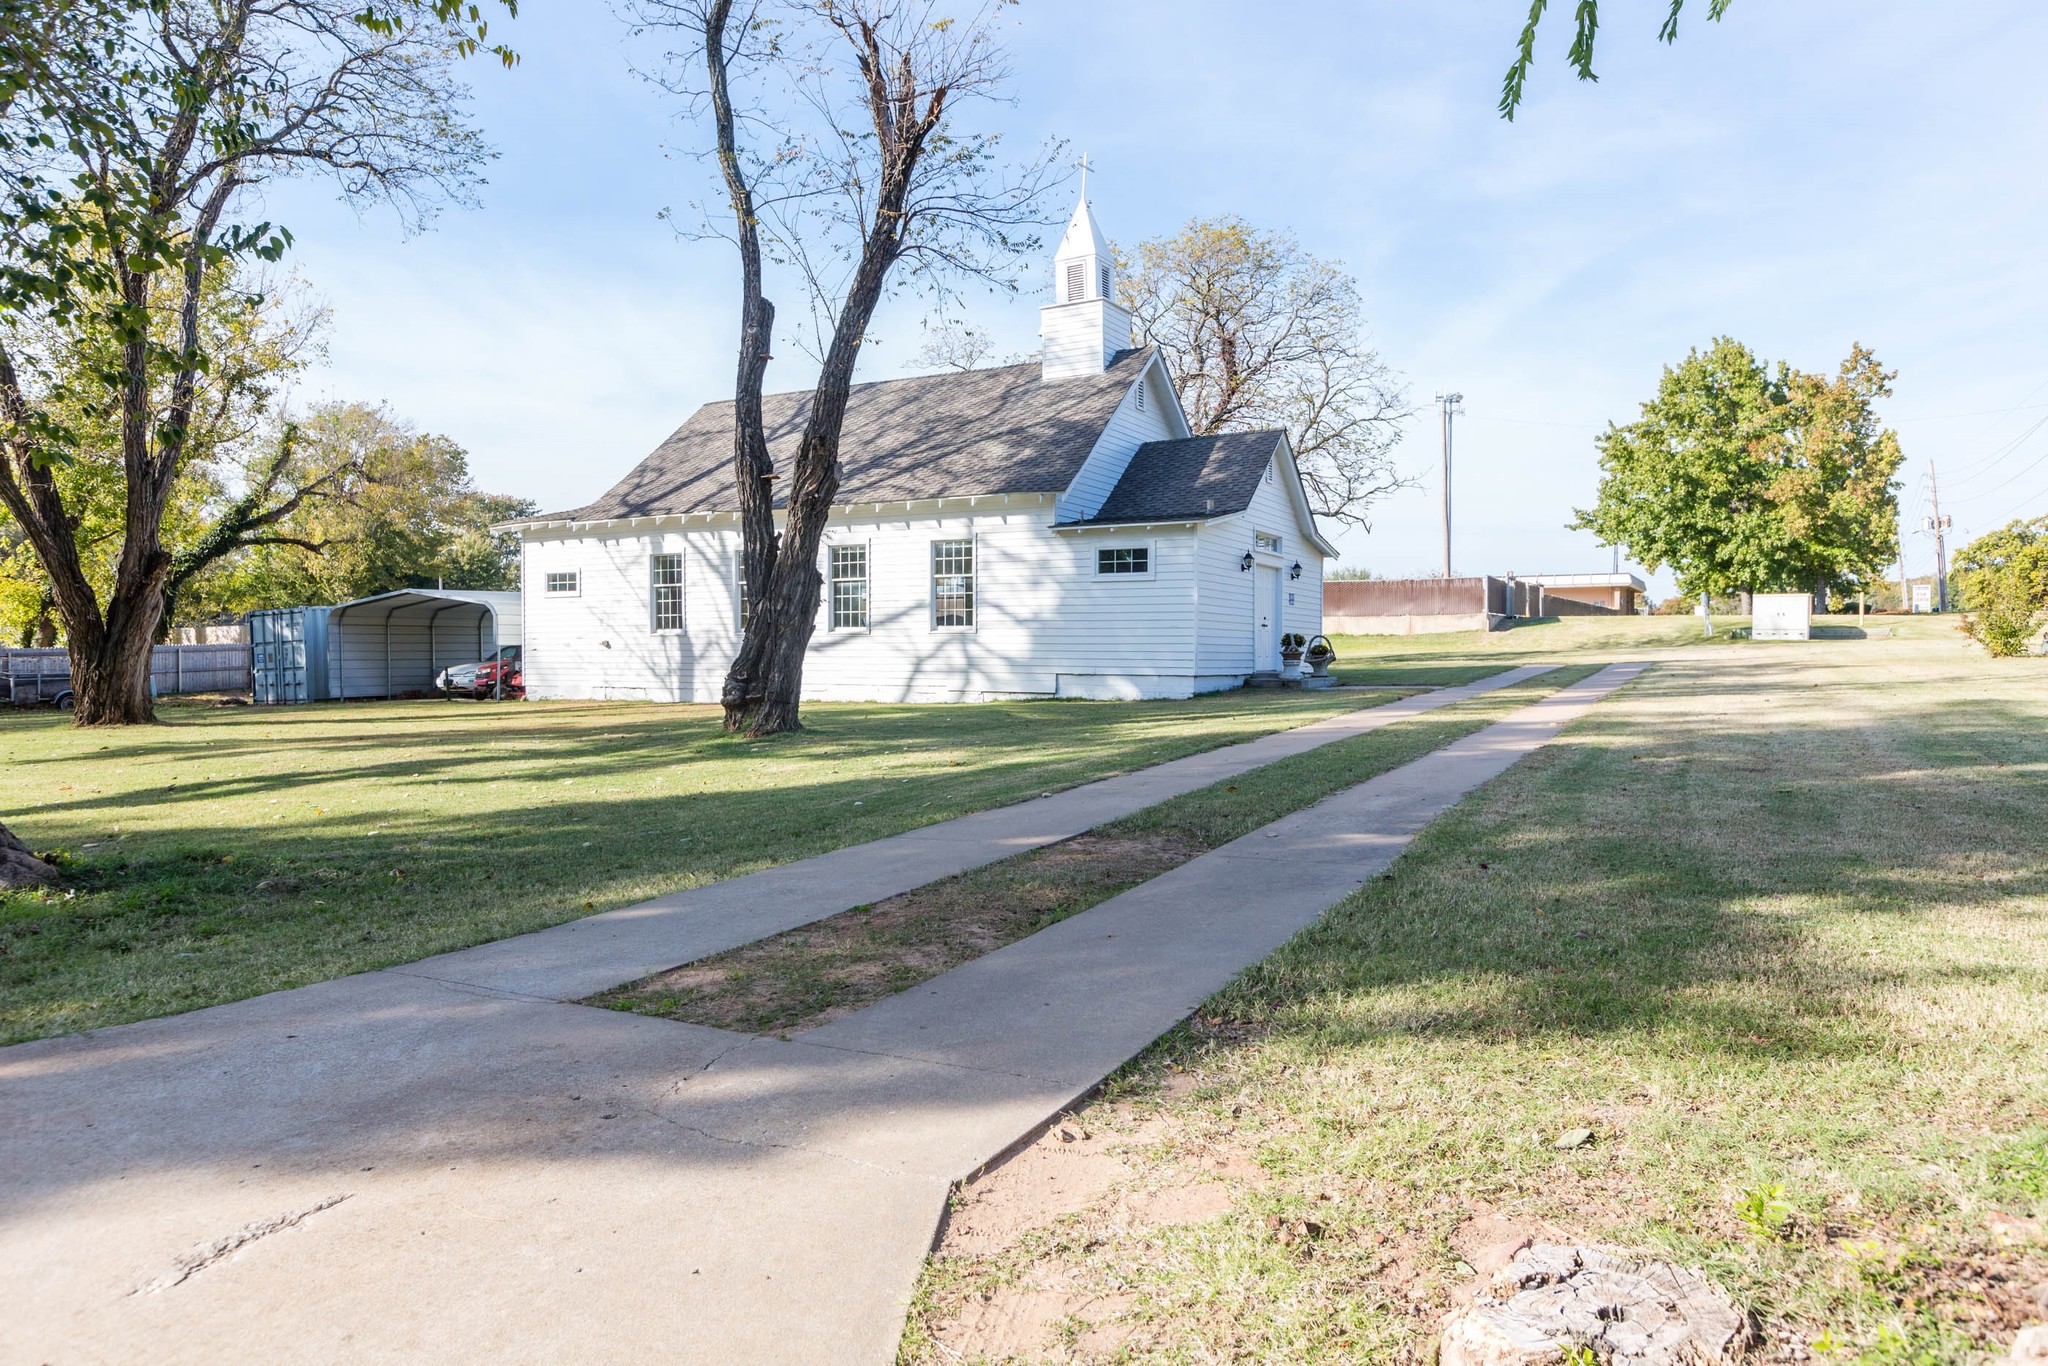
[(400, 1166), (581, 957)]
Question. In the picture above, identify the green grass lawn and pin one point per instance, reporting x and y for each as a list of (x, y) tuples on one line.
[(232, 851), (1772, 923)]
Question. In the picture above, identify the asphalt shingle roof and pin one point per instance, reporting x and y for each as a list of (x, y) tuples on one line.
[(1001, 430), (1195, 477)]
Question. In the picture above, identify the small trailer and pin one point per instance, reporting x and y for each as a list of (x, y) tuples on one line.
[(33, 678)]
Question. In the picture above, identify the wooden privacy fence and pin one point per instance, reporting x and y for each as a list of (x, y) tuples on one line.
[(35, 675)]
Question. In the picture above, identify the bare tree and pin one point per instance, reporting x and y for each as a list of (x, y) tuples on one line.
[(845, 164), (1259, 333), (955, 344), (215, 97)]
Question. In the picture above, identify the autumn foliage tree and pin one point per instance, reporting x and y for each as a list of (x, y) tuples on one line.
[(1749, 477), (1259, 333)]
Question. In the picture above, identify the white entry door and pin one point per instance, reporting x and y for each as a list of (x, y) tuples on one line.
[(1266, 616)]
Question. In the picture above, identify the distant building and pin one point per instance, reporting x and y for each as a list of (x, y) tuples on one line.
[(1609, 592)]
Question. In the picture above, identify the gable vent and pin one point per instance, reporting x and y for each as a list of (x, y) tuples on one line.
[(1077, 281), (1141, 396)]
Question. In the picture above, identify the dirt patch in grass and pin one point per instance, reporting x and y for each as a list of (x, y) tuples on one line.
[(809, 976)]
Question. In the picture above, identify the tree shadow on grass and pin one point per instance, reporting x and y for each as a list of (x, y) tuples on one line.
[(1707, 888)]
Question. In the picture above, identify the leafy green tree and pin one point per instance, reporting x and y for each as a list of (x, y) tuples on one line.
[(239, 476), (1746, 477), (1260, 333), (2001, 581), (401, 513), (131, 135)]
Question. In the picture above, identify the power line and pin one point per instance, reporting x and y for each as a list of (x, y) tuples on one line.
[(1986, 466)]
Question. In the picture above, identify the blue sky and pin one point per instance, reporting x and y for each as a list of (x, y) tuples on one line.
[(1797, 176)]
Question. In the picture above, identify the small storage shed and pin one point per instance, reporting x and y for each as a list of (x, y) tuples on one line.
[(382, 646)]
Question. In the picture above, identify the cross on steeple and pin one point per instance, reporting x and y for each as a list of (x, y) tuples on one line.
[(1084, 177)]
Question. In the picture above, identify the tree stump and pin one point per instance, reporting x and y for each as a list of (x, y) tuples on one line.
[(19, 867)]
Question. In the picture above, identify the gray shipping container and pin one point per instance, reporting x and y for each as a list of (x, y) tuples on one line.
[(289, 645)]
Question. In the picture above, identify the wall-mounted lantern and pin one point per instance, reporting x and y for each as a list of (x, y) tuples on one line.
[(1294, 570), (1245, 565)]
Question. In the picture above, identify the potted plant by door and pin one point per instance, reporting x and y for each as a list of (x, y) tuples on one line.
[(1320, 655), (1291, 646)]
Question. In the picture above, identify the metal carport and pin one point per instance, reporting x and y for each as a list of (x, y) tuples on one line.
[(396, 643)]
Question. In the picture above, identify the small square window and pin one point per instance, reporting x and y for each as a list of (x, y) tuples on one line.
[(564, 583), (665, 572), (1124, 559), (952, 583), (849, 565)]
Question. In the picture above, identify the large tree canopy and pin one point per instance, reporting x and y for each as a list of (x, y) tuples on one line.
[(1744, 477), (402, 514), (1260, 333), (131, 132)]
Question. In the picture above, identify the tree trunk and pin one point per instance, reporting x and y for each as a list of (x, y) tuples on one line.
[(110, 685), (19, 867)]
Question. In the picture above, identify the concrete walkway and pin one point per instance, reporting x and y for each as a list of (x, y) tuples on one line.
[(581, 957), (409, 1165)]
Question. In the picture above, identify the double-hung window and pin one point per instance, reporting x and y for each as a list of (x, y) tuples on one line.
[(1124, 559), (665, 575), (739, 585), (849, 580), (952, 583)]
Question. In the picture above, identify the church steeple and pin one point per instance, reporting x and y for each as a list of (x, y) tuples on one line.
[(1083, 327)]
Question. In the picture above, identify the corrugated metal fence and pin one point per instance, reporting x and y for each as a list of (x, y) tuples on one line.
[(37, 674)]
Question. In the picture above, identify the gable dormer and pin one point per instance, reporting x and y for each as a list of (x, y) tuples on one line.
[(1083, 328), (1150, 411)]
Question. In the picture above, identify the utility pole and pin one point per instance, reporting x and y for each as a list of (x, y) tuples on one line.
[(1447, 407), (1939, 525), (1905, 590)]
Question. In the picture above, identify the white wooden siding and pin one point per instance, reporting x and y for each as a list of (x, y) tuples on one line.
[(1224, 621), (1046, 624)]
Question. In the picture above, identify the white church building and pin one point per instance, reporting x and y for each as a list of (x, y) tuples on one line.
[(1041, 530)]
